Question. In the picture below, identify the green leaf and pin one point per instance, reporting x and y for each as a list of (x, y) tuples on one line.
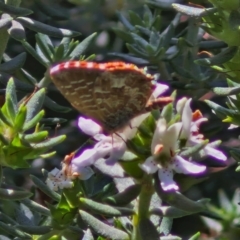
[(17, 31), (31, 123), (20, 118), (36, 207), (226, 91), (5, 22), (141, 42), (46, 29), (235, 153), (10, 194), (11, 103), (5, 119), (167, 5), (48, 155), (101, 228), (4, 140), (13, 64), (124, 197), (59, 53), (81, 47), (123, 34), (105, 209), (33, 52), (36, 137), (156, 25), (196, 236), (176, 199), (154, 39), (35, 103), (181, 71), (45, 189), (49, 103), (5, 218), (191, 11), (143, 30), (191, 150), (42, 55), (49, 142), (14, 10), (125, 22), (221, 111), (134, 49), (150, 50), (167, 112), (135, 18), (25, 77), (234, 20), (66, 44), (147, 17), (167, 36), (45, 44), (52, 10), (170, 212), (223, 57), (36, 230), (14, 231)]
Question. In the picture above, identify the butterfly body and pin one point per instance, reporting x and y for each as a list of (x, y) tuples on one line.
[(109, 93)]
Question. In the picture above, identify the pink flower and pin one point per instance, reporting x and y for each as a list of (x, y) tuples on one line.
[(165, 159), (190, 130)]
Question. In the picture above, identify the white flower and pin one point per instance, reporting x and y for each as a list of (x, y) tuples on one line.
[(60, 179), (190, 130), (111, 148), (73, 171), (57, 180), (159, 90), (164, 158)]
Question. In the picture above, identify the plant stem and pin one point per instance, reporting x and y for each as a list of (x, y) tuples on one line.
[(143, 206)]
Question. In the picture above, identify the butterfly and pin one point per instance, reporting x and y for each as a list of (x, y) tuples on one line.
[(109, 93)]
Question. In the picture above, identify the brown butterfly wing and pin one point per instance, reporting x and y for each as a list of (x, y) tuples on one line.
[(121, 95), (109, 96), (77, 86)]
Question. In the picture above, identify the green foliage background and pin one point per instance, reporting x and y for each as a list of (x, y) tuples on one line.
[(119, 32)]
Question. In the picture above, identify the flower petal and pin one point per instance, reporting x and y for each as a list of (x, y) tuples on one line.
[(85, 173), (166, 178), (88, 157), (159, 90), (180, 105), (210, 151), (149, 166), (57, 180), (130, 131), (180, 165), (159, 133), (186, 120), (65, 184), (170, 140), (88, 126)]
